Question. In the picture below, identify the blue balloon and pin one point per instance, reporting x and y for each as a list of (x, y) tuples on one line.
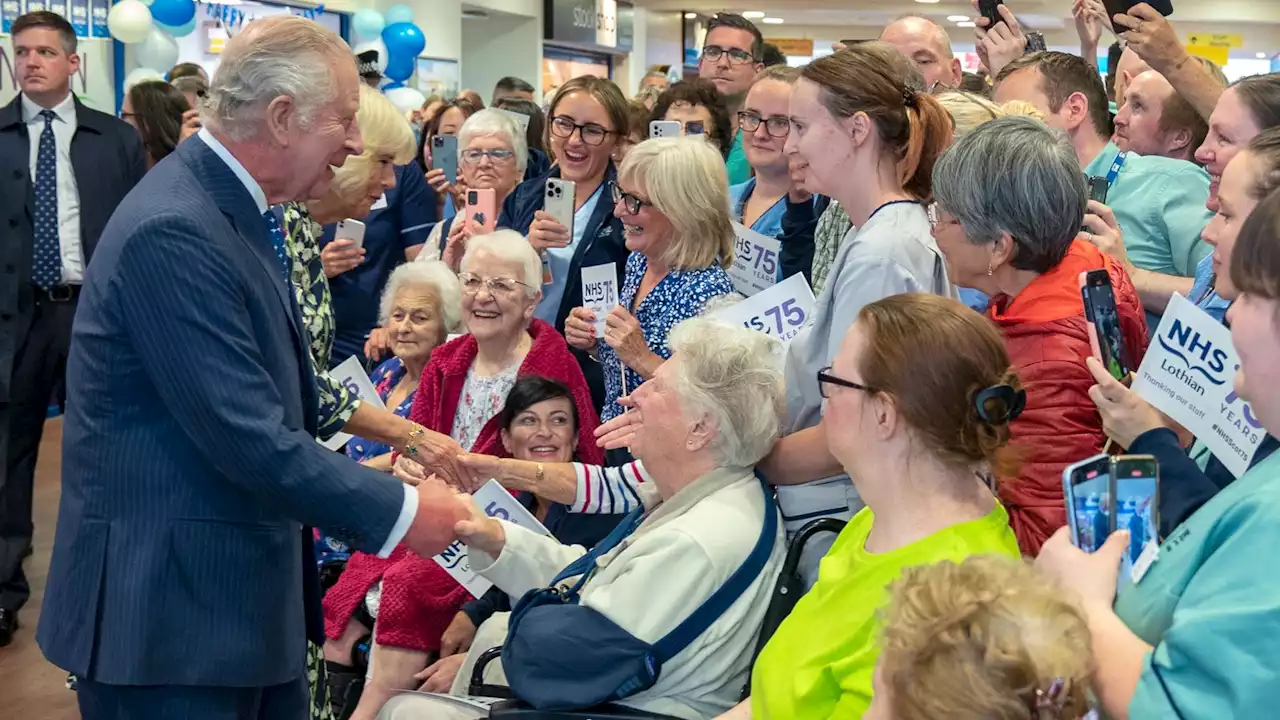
[(367, 24), (404, 39), (173, 13), (399, 14), (181, 30), (401, 67)]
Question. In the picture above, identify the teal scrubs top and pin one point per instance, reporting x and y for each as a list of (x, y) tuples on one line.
[(1159, 203), (1210, 606), (736, 164)]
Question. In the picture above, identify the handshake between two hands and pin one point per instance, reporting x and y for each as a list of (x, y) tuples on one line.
[(446, 512)]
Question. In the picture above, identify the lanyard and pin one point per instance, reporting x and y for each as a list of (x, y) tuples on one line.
[(1115, 167)]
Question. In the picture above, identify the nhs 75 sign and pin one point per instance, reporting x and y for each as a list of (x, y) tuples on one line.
[(756, 266), (781, 311)]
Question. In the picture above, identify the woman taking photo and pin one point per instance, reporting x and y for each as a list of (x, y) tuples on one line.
[(447, 120), (588, 118), (764, 119), (1193, 637), (697, 105), (1009, 201), (919, 401), (491, 156), (672, 197)]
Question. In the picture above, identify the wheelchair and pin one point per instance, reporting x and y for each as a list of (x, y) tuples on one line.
[(786, 593)]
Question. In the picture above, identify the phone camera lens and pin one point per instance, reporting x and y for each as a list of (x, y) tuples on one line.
[(473, 197)]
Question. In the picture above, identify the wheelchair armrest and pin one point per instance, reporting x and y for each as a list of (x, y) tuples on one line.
[(477, 685), (518, 710)]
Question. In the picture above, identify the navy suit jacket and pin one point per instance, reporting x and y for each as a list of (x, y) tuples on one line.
[(189, 461)]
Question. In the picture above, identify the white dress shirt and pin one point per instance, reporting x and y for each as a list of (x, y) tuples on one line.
[(409, 509), (64, 128)]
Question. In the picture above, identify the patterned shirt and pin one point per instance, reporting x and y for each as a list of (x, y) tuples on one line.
[(481, 399), (681, 295), (311, 288)]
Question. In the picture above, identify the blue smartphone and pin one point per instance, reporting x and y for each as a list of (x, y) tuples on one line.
[(1086, 487), (1136, 479)]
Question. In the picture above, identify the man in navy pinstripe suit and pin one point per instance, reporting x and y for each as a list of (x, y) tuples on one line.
[(189, 463)]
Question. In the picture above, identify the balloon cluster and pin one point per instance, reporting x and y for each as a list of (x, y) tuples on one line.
[(396, 38)]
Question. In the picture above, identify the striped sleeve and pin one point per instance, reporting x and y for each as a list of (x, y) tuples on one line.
[(608, 490)]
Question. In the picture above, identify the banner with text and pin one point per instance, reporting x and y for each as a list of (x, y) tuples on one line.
[(350, 373), (780, 311), (755, 261), (1188, 374)]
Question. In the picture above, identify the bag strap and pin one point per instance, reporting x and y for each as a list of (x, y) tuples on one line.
[(581, 568), (728, 593)]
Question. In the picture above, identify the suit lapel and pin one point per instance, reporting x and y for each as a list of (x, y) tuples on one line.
[(238, 206)]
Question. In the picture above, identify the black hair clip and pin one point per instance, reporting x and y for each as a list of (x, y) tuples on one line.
[(909, 97), (1013, 401)]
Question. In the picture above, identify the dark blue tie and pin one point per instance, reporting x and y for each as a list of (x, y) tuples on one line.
[(46, 270), (277, 242)]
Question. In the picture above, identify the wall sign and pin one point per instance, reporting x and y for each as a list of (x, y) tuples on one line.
[(587, 22)]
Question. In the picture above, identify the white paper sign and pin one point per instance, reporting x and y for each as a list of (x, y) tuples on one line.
[(352, 376), (779, 311), (755, 261), (1188, 374), (600, 292), (496, 502)]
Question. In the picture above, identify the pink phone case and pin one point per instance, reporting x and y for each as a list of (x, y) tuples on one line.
[(482, 215)]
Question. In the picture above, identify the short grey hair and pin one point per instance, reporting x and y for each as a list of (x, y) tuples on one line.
[(733, 375), (429, 274), (280, 55), (1014, 175), (498, 124), (508, 246)]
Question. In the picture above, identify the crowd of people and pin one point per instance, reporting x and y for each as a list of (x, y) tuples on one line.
[(183, 280)]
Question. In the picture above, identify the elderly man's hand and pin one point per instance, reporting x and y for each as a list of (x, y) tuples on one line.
[(440, 509), (480, 531), (340, 256), (1000, 45), (1152, 38)]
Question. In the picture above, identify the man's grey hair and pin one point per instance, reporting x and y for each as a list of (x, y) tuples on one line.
[(939, 33), (280, 55), (734, 376), (1014, 175), (508, 246), (495, 123), (429, 274)]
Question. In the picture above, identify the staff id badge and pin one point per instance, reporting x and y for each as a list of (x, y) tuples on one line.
[(1149, 555)]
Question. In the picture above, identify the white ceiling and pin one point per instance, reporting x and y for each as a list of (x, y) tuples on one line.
[(1040, 14)]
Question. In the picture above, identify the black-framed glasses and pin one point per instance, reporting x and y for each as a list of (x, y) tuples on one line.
[(825, 378), (496, 155), (776, 125), (737, 56), (631, 202), (592, 134), (471, 284)]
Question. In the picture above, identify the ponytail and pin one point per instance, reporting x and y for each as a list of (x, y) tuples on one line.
[(928, 135)]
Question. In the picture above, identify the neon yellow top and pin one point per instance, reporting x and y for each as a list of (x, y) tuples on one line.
[(820, 662)]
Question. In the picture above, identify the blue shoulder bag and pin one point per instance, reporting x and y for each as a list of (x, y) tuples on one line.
[(560, 655)]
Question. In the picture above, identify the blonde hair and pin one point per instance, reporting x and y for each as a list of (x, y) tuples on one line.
[(1022, 108), (385, 132), (984, 639), (685, 180), (968, 110)]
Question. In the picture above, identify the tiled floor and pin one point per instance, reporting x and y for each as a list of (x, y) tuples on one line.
[(31, 688)]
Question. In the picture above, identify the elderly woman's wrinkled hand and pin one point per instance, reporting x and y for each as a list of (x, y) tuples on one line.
[(1090, 575), (455, 246), (580, 329), (618, 432), (1103, 230), (438, 454), (439, 676), (624, 334), (547, 232), (1000, 45), (457, 638), (340, 256), (408, 471), (378, 344), (1125, 415), (481, 531), (1152, 38), (479, 469)]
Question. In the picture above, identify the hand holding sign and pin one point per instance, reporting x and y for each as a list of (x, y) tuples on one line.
[(624, 334), (600, 292), (580, 329)]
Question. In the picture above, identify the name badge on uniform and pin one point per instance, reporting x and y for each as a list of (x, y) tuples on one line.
[(1145, 560)]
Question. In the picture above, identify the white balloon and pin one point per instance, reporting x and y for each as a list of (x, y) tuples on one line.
[(159, 51), (138, 75), (378, 45), (129, 21), (405, 98)]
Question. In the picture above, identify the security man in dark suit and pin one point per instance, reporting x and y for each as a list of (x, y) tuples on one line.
[(63, 170)]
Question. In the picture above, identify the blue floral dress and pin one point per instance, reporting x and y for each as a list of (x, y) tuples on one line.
[(681, 295)]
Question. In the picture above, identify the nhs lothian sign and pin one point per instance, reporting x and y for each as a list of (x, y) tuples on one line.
[(1188, 374)]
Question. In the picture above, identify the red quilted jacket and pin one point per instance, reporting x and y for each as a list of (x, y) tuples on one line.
[(1047, 339), (436, 401)]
